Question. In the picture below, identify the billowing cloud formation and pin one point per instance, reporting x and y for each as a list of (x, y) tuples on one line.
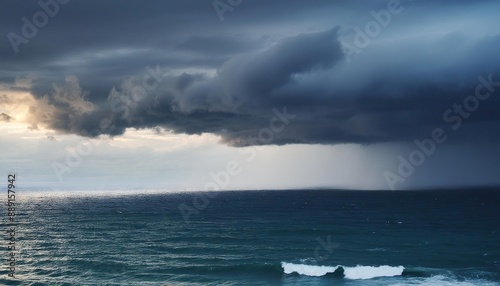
[(210, 77), (5, 117)]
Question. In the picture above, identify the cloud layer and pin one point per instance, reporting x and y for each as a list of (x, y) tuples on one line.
[(174, 65)]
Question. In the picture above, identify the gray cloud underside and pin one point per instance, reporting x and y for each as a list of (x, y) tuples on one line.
[(394, 90)]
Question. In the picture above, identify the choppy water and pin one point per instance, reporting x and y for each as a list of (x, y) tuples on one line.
[(312, 237)]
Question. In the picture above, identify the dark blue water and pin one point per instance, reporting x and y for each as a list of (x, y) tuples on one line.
[(312, 237)]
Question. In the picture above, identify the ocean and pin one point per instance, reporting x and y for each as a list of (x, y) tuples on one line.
[(286, 237)]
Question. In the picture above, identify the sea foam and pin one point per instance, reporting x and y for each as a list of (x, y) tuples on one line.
[(353, 273)]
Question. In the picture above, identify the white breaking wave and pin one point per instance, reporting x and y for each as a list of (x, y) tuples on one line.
[(353, 273), (369, 272), (309, 270)]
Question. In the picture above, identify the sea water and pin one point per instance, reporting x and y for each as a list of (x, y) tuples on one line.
[(289, 237)]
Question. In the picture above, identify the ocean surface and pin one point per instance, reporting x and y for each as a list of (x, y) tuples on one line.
[(294, 237)]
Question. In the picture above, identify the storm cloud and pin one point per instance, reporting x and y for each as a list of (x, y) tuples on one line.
[(175, 65)]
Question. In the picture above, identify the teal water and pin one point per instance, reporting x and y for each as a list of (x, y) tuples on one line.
[(308, 237)]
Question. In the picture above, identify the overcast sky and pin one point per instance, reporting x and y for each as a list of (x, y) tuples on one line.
[(250, 94)]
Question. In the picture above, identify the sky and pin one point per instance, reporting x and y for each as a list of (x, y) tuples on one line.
[(250, 94)]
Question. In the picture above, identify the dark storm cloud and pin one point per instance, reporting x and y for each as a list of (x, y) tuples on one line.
[(257, 60), (5, 117)]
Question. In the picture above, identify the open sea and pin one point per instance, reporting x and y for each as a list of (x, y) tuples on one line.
[(293, 237)]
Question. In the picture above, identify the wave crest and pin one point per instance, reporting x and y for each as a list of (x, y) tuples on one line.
[(353, 273)]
